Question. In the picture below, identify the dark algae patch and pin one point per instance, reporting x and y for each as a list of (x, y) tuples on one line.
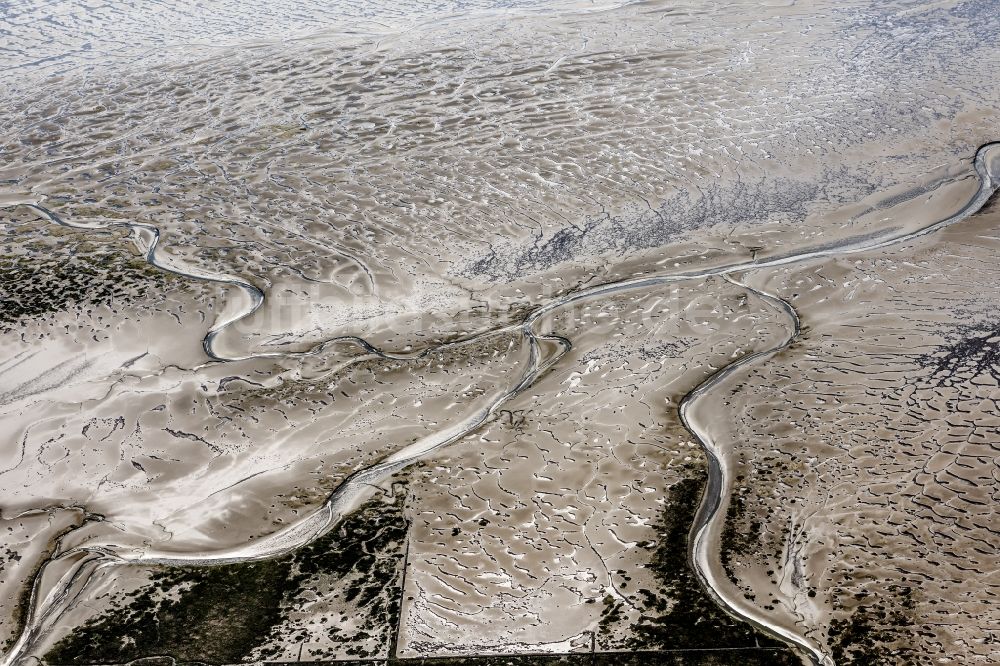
[(220, 614), (46, 269), (876, 633), (677, 614), (213, 614), (973, 352), (362, 564), (741, 532)]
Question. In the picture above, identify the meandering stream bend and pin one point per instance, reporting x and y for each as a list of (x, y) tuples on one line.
[(79, 565)]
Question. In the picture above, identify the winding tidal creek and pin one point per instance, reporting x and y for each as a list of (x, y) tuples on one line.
[(63, 578)]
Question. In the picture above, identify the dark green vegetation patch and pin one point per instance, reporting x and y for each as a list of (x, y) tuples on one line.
[(741, 532), (877, 631), (219, 614), (46, 269), (678, 614)]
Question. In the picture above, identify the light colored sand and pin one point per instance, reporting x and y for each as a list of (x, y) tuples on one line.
[(875, 488), (416, 185)]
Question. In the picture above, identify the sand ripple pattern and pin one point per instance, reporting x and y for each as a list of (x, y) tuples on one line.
[(80, 564)]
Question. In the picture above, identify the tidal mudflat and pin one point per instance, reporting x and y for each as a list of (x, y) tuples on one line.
[(499, 332)]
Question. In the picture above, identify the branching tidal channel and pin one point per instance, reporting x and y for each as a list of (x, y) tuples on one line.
[(67, 572)]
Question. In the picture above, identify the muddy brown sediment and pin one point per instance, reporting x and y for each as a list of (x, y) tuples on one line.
[(420, 178)]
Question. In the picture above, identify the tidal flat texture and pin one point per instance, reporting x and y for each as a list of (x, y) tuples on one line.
[(499, 332)]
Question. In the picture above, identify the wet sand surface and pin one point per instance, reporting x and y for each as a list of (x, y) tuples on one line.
[(378, 322), (881, 425)]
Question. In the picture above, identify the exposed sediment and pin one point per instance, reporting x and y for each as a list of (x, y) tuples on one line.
[(356, 185), (83, 561)]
